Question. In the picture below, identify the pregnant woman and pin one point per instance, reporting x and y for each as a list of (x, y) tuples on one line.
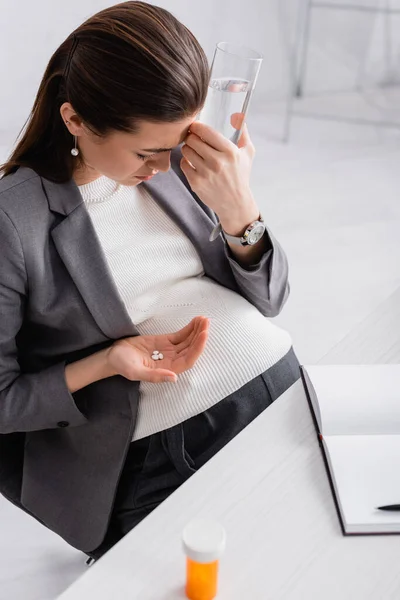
[(132, 346)]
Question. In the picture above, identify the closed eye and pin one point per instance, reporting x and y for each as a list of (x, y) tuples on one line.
[(144, 156)]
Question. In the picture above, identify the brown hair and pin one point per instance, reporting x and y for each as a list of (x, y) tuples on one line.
[(129, 62)]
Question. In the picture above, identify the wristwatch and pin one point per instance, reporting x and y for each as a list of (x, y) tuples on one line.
[(251, 236)]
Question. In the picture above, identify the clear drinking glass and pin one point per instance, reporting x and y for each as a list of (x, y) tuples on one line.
[(233, 77)]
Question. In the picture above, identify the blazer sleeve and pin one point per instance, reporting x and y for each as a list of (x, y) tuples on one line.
[(266, 283), (28, 401)]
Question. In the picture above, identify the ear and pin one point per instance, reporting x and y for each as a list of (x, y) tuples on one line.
[(75, 126)]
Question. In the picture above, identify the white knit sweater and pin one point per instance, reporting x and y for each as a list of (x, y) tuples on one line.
[(161, 280)]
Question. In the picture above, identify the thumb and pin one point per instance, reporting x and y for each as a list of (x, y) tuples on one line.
[(244, 141)]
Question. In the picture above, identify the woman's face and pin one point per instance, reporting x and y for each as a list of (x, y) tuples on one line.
[(123, 156)]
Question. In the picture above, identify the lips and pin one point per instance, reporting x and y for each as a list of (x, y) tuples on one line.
[(144, 178)]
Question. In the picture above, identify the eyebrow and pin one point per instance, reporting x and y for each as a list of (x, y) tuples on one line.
[(158, 150)]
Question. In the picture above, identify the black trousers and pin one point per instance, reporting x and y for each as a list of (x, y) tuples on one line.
[(158, 464)]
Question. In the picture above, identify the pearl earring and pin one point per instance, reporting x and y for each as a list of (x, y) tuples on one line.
[(74, 151)]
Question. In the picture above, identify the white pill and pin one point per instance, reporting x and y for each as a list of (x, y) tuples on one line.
[(161, 355), (155, 357), (156, 352)]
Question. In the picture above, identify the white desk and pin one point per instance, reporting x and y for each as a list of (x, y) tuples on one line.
[(283, 534)]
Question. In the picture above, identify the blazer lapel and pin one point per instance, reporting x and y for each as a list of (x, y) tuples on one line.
[(77, 244), (79, 247), (172, 192)]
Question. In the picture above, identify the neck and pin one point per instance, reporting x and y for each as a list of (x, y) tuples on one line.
[(86, 175)]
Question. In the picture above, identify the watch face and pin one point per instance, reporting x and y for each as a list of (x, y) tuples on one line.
[(256, 234)]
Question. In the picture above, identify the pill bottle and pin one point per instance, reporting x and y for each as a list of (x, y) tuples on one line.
[(203, 543)]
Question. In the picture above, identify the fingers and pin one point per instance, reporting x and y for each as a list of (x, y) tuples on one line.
[(196, 349), (181, 335), (244, 141), (189, 355), (193, 156), (188, 340), (189, 343), (210, 136), (237, 120), (201, 325), (157, 375)]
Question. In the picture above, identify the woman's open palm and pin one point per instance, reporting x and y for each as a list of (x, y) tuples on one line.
[(131, 357)]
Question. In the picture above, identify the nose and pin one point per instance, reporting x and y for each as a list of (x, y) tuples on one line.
[(161, 163)]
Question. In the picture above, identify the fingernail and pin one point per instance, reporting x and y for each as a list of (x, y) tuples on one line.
[(169, 378)]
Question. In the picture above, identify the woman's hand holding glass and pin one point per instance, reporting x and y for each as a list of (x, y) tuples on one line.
[(132, 357)]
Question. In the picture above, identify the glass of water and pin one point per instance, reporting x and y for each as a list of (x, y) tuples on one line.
[(233, 77)]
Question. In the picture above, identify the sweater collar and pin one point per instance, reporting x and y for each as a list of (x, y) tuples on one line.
[(100, 190)]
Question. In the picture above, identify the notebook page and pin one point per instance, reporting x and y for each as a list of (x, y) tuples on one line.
[(357, 399), (365, 470)]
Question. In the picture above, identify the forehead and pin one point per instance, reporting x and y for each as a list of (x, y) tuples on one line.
[(158, 137)]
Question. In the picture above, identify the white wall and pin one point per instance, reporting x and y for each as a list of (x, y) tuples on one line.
[(31, 31)]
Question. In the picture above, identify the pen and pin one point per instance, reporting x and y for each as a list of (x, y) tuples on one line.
[(389, 507)]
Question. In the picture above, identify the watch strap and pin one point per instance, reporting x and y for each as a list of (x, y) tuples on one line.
[(231, 238)]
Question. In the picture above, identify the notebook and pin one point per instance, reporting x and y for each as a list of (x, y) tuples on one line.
[(356, 412)]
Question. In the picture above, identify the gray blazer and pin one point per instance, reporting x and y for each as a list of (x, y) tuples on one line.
[(61, 454)]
